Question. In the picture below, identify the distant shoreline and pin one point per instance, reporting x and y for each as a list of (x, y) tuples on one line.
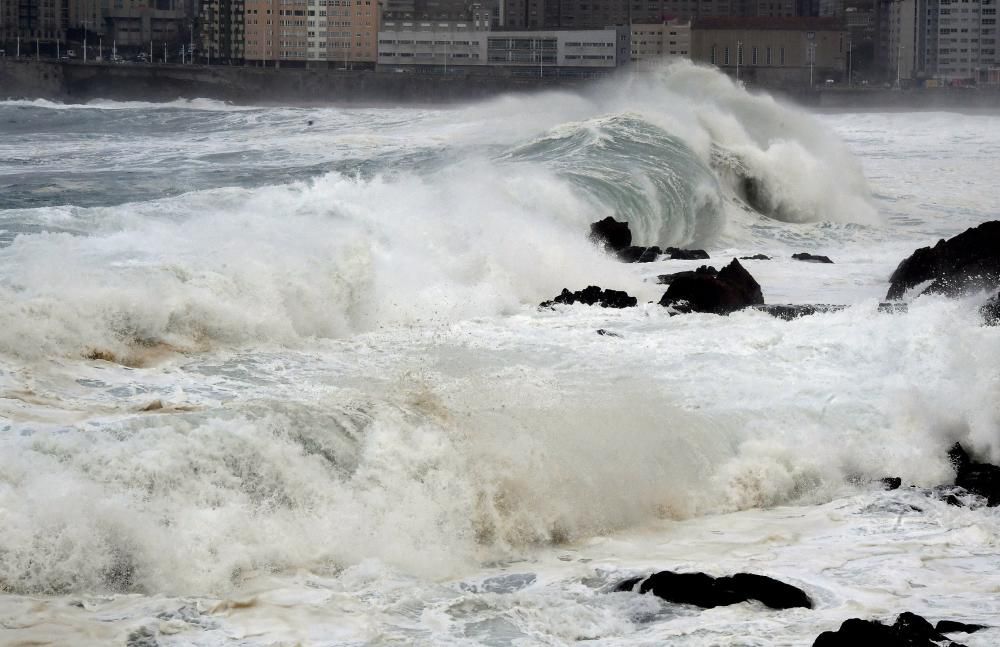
[(78, 82)]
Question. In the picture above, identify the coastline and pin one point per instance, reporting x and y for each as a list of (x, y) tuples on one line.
[(78, 82)]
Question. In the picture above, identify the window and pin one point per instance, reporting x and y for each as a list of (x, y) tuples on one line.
[(725, 56), (781, 56), (753, 56), (767, 56)]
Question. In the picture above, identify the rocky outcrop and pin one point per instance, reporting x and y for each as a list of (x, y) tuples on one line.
[(593, 295), (732, 289), (982, 479), (811, 258), (667, 279), (755, 257), (707, 592), (612, 234), (677, 254), (969, 261), (909, 630)]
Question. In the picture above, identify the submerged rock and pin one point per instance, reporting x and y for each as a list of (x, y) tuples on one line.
[(677, 254), (755, 257), (705, 591), (613, 234), (969, 261), (978, 478), (910, 630), (811, 258), (593, 295), (794, 311), (732, 289)]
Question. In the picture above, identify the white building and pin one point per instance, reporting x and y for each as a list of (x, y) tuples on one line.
[(662, 40), (457, 45)]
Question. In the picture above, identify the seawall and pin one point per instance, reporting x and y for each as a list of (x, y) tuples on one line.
[(77, 82)]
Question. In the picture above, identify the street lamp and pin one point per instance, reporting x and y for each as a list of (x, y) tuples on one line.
[(739, 55)]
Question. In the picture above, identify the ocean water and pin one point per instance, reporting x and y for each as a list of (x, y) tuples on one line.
[(276, 376)]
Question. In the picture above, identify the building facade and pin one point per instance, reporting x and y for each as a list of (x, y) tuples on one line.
[(777, 52), (330, 33), (541, 53), (652, 42), (221, 29)]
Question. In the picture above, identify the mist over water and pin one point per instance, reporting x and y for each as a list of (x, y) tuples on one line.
[(248, 357)]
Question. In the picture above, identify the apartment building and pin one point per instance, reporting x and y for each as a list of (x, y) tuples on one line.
[(44, 20), (652, 42), (221, 27), (332, 33)]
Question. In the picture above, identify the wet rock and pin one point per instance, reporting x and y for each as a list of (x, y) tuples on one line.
[(733, 288), (811, 258), (607, 333), (593, 295), (891, 482), (910, 630), (991, 311), (794, 311), (952, 627), (705, 591), (755, 257), (978, 478), (634, 254), (969, 261), (614, 235), (667, 279), (677, 254)]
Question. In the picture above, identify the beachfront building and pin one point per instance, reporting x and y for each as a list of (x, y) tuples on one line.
[(775, 51), (668, 39), (444, 48)]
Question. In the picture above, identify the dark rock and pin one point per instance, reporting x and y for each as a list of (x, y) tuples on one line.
[(630, 254), (628, 585), (634, 254), (991, 311), (733, 288), (649, 255), (707, 592), (910, 630), (755, 257), (612, 234), (856, 632), (607, 333), (593, 295), (969, 261), (678, 254), (891, 482), (978, 478), (952, 626), (811, 258), (666, 279)]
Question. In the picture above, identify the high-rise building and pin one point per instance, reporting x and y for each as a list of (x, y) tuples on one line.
[(45, 21)]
